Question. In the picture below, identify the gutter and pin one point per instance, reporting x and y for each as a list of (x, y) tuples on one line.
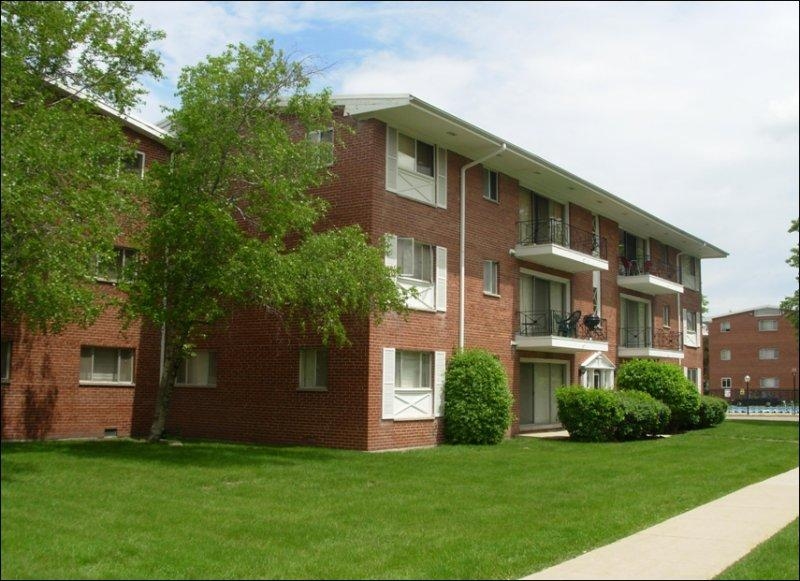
[(462, 242)]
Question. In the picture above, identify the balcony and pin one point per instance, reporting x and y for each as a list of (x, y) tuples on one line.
[(647, 342), (561, 246), (561, 332), (648, 277)]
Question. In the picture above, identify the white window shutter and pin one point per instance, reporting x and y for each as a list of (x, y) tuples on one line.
[(391, 159), (699, 329), (441, 177), (390, 259), (441, 278), (439, 365), (388, 383)]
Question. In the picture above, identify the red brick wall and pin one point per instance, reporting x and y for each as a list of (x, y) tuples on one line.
[(43, 397)]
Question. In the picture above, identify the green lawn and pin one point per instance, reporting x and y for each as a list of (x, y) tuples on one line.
[(776, 558), (123, 509)]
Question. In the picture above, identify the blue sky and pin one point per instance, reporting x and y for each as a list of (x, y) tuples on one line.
[(688, 110)]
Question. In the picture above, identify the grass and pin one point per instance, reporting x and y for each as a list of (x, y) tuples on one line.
[(124, 509), (775, 558)]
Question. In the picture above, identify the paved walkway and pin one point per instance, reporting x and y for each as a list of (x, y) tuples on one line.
[(698, 544)]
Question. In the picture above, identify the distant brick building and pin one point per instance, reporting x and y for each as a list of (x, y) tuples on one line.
[(557, 277), (760, 343)]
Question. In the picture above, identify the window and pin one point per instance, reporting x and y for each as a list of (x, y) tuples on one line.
[(321, 136), (113, 269), (199, 370), (134, 163), (313, 369), (597, 303), (665, 316), (725, 382), (5, 361), (725, 354), (490, 285), (768, 382), (768, 325), (106, 365), (724, 326), (691, 322), (491, 183), (693, 374), (413, 370), (768, 353), (415, 259), (414, 155)]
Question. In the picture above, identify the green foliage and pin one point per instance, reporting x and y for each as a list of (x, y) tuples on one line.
[(666, 383), (231, 220), (712, 411), (62, 190), (791, 304), (643, 415), (477, 406), (589, 415)]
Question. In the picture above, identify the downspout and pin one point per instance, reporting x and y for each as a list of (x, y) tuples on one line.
[(680, 311), (463, 227)]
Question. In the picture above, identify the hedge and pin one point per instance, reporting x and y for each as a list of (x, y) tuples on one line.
[(477, 404), (712, 411), (666, 383)]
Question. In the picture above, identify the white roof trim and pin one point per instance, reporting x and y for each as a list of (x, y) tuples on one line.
[(750, 310), (598, 361)]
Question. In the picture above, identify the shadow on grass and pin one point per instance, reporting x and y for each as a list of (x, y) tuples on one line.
[(205, 454)]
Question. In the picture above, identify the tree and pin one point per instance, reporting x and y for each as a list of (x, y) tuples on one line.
[(62, 190), (231, 221), (791, 304)]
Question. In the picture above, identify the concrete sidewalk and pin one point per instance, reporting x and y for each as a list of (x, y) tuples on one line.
[(697, 544)]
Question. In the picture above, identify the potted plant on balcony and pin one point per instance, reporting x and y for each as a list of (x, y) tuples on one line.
[(592, 321)]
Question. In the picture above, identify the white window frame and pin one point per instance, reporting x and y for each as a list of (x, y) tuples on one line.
[(321, 136), (773, 325), (491, 279), (665, 316), (432, 175), (320, 363), (416, 246), (725, 383), (212, 356), (765, 353), (138, 167), (119, 352), (491, 185), (5, 357), (723, 353), (764, 380), (431, 295), (122, 258), (724, 326)]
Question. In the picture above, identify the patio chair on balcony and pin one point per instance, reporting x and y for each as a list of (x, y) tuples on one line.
[(568, 326)]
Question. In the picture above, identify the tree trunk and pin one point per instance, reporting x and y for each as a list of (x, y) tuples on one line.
[(165, 386)]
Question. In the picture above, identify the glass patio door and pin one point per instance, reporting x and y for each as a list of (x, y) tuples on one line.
[(538, 384)]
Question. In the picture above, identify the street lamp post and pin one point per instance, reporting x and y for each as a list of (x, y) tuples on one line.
[(747, 392)]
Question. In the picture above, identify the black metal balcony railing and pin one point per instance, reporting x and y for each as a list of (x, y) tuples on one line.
[(645, 337), (562, 324), (643, 265), (555, 231)]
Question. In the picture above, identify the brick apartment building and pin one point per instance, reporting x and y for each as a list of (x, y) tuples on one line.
[(760, 343), (557, 277)]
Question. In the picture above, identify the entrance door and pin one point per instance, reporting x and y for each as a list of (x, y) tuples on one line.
[(538, 384)]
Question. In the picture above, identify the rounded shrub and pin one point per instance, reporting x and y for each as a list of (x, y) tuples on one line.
[(589, 415), (712, 411), (477, 403), (666, 383), (643, 415)]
